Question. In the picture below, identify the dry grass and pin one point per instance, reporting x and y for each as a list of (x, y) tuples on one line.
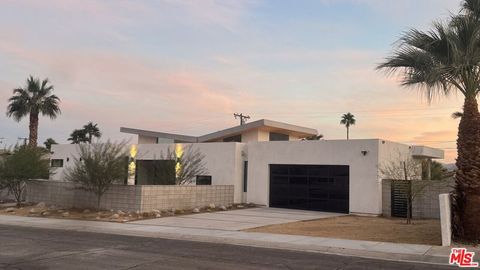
[(425, 231)]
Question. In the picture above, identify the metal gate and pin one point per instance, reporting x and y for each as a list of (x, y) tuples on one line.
[(399, 196)]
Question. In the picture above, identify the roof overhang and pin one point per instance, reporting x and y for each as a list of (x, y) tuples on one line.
[(420, 151), (263, 124), (148, 133)]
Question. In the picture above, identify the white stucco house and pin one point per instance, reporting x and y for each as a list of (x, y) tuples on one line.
[(269, 164)]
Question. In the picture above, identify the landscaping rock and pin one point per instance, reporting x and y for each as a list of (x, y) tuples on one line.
[(120, 212), (208, 210), (46, 213), (223, 208), (60, 210), (211, 206), (158, 215), (86, 211), (115, 216), (65, 214), (52, 207), (41, 205), (33, 211), (97, 218), (240, 206), (195, 210), (156, 211), (10, 210)]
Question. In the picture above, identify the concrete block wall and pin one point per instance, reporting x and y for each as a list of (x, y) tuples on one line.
[(425, 205), (185, 197), (129, 198)]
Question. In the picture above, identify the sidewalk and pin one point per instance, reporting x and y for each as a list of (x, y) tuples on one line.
[(366, 249)]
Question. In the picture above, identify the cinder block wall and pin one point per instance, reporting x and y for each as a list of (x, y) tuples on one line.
[(425, 205), (185, 197), (129, 198)]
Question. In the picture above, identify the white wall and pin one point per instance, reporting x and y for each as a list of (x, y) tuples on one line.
[(223, 161), (67, 152), (146, 140), (365, 188)]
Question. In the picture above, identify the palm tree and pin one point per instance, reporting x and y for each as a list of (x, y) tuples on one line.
[(48, 143), (444, 60), (91, 130), (78, 136), (348, 120), (34, 99)]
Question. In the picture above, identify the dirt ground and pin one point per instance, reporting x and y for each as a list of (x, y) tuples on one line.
[(424, 231), (33, 210)]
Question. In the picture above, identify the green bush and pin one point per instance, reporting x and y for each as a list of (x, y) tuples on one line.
[(24, 163)]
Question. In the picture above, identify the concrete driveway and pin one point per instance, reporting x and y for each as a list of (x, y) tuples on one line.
[(236, 220)]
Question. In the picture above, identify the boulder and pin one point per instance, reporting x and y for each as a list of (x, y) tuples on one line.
[(10, 210), (65, 214), (158, 215), (223, 208), (115, 216), (195, 210), (33, 211), (41, 205), (46, 213), (211, 206), (156, 211), (240, 206), (120, 212)]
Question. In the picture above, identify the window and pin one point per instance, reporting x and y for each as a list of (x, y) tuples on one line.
[(57, 163), (278, 137), (236, 138), (204, 180)]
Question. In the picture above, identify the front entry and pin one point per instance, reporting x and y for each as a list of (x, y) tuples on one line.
[(310, 187)]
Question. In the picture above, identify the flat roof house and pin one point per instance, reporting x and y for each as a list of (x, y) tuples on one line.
[(269, 164)]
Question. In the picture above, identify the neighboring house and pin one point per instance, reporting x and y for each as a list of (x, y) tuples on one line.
[(269, 164)]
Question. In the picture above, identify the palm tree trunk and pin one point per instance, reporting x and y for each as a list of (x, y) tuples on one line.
[(348, 131), (33, 127), (466, 216)]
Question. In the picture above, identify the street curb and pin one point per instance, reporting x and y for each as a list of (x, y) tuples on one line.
[(411, 258)]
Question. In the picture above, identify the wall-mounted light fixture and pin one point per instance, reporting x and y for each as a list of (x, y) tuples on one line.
[(364, 152)]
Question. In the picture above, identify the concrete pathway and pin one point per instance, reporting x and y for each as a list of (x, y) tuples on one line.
[(238, 219), (366, 249)]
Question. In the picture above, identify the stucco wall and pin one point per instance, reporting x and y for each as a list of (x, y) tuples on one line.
[(425, 205), (146, 139), (365, 189), (130, 198)]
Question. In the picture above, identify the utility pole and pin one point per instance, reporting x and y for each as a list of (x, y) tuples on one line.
[(242, 117)]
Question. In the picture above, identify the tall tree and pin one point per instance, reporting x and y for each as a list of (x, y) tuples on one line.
[(78, 136), (441, 61), (348, 120), (34, 99), (48, 143), (92, 130)]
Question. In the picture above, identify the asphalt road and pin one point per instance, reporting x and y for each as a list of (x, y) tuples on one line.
[(30, 248)]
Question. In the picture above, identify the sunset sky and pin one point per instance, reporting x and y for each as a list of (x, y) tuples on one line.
[(187, 66)]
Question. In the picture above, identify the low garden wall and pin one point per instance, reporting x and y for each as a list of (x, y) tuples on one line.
[(129, 197), (426, 204)]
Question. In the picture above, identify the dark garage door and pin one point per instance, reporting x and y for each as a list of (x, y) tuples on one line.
[(310, 187)]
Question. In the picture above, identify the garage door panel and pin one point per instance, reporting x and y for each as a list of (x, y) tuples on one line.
[(310, 187)]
